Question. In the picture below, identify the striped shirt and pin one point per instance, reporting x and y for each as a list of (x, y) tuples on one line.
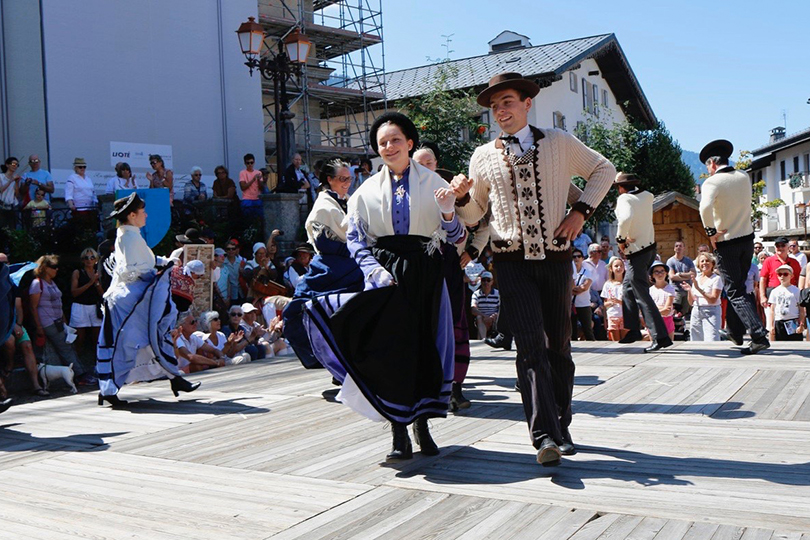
[(487, 304)]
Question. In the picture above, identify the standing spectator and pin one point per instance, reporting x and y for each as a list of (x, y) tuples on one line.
[(80, 196), (85, 313), (663, 294), (607, 252), (9, 188), (46, 306), (486, 302), (612, 294), (35, 178), (361, 174), (250, 181), (597, 267), (757, 250), (302, 255), (194, 190), (38, 209), (793, 248), (681, 269), (582, 299), (162, 177), (232, 267), (582, 241), (224, 187), (293, 180), (124, 179), (704, 293), (768, 278), (788, 316)]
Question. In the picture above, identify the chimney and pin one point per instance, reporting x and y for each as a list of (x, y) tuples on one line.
[(508, 41), (777, 134)]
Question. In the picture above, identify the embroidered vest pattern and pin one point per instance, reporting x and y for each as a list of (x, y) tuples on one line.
[(530, 207)]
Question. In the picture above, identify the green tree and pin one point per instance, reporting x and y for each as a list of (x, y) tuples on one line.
[(450, 118)]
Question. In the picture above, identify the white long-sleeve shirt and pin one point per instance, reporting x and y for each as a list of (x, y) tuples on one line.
[(80, 190), (634, 213)]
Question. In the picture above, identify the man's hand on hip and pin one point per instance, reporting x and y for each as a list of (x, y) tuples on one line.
[(570, 226)]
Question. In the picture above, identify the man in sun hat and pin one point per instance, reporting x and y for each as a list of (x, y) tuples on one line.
[(725, 209), (524, 177)]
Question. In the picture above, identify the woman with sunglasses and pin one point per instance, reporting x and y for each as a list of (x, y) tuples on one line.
[(394, 342), (139, 315), (46, 307), (332, 269), (162, 177), (86, 290)]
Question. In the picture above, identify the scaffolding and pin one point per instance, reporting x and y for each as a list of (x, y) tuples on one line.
[(342, 80)]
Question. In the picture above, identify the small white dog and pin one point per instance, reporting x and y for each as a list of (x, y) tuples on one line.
[(48, 373)]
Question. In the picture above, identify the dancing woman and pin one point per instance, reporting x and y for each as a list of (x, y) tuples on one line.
[(333, 269), (135, 343), (392, 345)]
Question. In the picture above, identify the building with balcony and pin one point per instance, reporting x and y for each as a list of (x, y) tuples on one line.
[(784, 166)]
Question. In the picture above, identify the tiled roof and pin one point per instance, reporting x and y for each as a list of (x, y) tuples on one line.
[(476, 71)]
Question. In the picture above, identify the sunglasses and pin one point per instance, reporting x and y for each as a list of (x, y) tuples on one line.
[(193, 321), (196, 174), (486, 279), (782, 274), (81, 166), (89, 258), (230, 249), (237, 314), (215, 319), (249, 162), (344, 178), (659, 271), (577, 256)]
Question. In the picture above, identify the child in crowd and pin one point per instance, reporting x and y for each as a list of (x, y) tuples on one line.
[(787, 315), (38, 208), (612, 293), (663, 294)]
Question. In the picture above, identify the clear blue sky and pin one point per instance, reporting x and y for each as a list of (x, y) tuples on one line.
[(710, 69)]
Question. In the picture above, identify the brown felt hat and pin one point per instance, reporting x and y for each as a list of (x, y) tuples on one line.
[(505, 81), (626, 179)]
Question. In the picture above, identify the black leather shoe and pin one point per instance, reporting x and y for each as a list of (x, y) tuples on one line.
[(179, 384), (725, 334), (421, 435), (631, 337), (402, 448), (567, 447), (113, 400), (658, 344), (499, 342), (755, 346), (548, 455), (457, 399)]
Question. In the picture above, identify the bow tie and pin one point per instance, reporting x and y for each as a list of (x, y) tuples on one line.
[(511, 139)]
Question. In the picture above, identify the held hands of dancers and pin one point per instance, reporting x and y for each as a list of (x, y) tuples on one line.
[(445, 200), (460, 185), (378, 278)]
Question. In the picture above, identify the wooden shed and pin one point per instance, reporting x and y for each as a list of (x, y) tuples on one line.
[(676, 217)]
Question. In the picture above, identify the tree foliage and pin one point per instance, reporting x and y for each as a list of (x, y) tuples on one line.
[(758, 207), (653, 155), (448, 118)]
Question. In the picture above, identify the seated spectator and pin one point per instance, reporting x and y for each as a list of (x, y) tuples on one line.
[(234, 326), (46, 306), (194, 190), (224, 188), (486, 302), (250, 181), (787, 315), (302, 255), (124, 179), (193, 354), (231, 346), (267, 339), (293, 180), (38, 209)]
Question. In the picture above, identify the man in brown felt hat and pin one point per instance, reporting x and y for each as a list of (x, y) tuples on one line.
[(636, 239), (725, 209), (524, 176)]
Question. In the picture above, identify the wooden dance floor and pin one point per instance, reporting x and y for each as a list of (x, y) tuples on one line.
[(697, 442)]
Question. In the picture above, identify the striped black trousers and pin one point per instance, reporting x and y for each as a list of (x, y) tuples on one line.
[(536, 304)]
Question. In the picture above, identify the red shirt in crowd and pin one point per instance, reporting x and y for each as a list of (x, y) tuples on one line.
[(773, 262)]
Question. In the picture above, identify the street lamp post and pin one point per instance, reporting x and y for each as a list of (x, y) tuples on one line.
[(293, 51)]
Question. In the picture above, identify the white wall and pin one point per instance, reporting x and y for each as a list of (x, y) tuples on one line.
[(776, 188), (166, 72)]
